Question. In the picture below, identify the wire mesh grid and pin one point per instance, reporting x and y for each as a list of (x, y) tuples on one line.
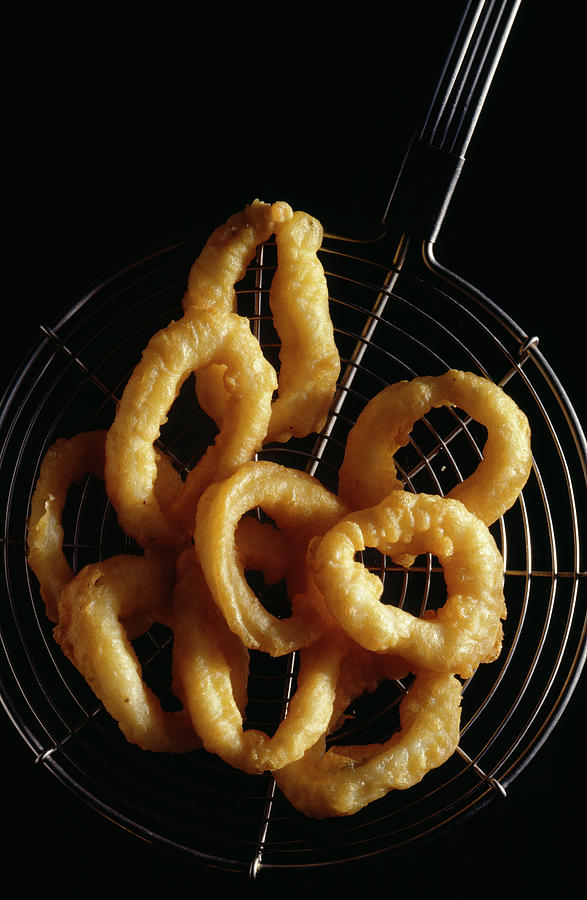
[(194, 803)]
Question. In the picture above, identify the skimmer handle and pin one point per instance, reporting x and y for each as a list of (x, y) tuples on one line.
[(436, 154)]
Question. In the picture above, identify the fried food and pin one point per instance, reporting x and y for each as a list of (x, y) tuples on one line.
[(64, 464), (368, 470), (91, 633), (301, 508), (212, 664), (67, 462), (299, 303), (235, 521), (342, 780), (309, 359), (213, 276), (465, 631), (227, 253), (171, 355)]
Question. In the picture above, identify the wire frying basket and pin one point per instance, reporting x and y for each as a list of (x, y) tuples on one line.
[(393, 320), (71, 384)]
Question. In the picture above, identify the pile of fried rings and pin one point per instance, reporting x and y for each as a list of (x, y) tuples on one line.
[(200, 535)]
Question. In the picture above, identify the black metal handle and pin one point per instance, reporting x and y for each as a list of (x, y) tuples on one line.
[(436, 154)]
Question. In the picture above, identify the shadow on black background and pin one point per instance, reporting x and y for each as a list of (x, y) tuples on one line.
[(133, 128)]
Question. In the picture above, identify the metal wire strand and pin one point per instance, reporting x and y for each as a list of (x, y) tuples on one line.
[(467, 75)]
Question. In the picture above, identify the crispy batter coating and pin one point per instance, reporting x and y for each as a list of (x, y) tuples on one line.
[(212, 664), (299, 303), (65, 463), (213, 277), (309, 359), (92, 635), (301, 507), (180, 348), (341, 781), (465, 631), (223, 261), (368, 471)]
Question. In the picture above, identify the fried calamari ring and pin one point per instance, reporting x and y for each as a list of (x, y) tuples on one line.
[(185, 619), (65, 463), (465, 631), (214, 273), (309, 359), (185, 346), (226, 254), (213, 686), (301, 508), (91, 634), (368, 471), (298, 298), (341, 781)]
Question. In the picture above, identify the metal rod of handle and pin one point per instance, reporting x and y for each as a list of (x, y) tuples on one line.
[(435, 156), (467, 75)]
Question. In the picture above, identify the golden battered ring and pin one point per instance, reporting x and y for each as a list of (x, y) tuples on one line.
[(91, 633), (465, 631), (368, 470), (342, 780), (66, 462), (301, 508), (299, 302), (185, 346), (212, 664)]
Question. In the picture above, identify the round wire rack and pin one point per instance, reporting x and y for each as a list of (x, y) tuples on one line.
[(390, 325)]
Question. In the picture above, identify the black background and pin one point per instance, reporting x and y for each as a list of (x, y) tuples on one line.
[(130, 126)]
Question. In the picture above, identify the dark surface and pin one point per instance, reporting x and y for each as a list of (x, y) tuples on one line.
[(130, 129)]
